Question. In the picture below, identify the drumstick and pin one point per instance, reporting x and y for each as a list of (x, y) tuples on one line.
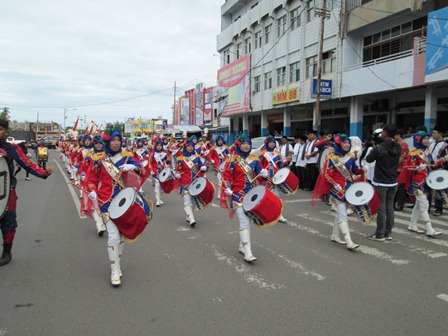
[(85, 190)]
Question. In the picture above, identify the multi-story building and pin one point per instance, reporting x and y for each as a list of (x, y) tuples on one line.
[(372, 65)]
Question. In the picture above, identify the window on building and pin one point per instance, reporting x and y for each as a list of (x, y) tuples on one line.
[(394, 40), (258, 39), (238, 50), (257, 83), (281, 26), (248, 45), (310, 11), (329, 61), (226, 56), (267, 33), (294, 72), (311, 67), (281, 76), (295, 18), (268, 80)]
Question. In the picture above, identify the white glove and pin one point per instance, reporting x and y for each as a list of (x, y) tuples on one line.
[(29, 155), (264, 173), (203, 168), (420, 168), (177, 175), (213, 161), (92, 195), (127, 167), (228, 192), (338, 187), (145, 163)]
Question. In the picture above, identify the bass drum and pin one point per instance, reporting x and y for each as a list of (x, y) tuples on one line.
[(437, 179), (359, 193), (323, 157), (5, 184)]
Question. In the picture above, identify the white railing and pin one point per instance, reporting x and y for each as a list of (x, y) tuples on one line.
[(380, 60)]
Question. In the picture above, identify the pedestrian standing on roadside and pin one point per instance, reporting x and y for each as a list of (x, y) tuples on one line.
[(437, 149), (386, 156)]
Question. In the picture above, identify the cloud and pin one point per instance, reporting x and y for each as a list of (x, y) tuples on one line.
[(76, 53)]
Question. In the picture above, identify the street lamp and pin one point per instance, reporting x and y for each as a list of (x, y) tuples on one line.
[(65, 115)]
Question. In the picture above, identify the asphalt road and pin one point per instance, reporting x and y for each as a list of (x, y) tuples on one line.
[(183, 281)]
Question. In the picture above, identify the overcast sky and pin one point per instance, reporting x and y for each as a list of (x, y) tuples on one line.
[(89, 54)]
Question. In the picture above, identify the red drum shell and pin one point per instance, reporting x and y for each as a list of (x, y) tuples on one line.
[(286, 181), (202, 191), (166, 179), (262, 206), (130, 212)]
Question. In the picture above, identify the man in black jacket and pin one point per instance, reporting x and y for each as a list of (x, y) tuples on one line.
[(386, 156)]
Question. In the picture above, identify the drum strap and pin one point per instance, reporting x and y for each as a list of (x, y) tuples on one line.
[(342, 169), (191, 165), (425, 158), (270, 157), (113, 171), (246, 168)]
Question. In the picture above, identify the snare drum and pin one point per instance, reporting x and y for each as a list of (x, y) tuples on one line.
[(202, 192), (286, 181), (359, 193), (166, 179), (262, 206), (130, 212)]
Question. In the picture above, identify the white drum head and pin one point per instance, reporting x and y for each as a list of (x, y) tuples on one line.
[(121, 203), (281, 175), (165, 174), (221, 166), (5, 185), (437, 179), (359, 193), (197, 186), (253, 197), (322, 157)]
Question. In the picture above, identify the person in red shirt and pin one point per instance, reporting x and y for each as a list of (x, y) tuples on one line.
[(400, 196)]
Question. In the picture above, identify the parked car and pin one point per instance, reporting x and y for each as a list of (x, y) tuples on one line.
[(14, 141), (258, 143)]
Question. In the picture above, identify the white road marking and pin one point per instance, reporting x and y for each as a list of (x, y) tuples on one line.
[(364, 249), (298, 266), (443, 297), (72, 191), (411, 248), (297, 200)]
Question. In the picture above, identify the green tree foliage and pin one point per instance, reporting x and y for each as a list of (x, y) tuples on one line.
[(119, 126)]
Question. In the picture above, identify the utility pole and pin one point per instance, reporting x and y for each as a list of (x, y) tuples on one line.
[(174, 102), (323, 13)]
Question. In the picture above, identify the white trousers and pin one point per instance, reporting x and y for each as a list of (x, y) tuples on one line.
[(244, 220), (187, 200), (113, 235)]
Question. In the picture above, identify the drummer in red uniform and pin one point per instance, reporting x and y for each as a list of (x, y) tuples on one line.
[(106, 180), (238, 178), (272, 161), (418, 164), (339, 170), (189, 167), (158, 161), (218, 155)]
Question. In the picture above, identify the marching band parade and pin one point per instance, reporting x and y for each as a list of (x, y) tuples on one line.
[(110, 173)]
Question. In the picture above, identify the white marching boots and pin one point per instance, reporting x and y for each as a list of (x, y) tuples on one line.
[(190, 217), (335, 235), (430, 232), (100, 227), (414, 218), (114, 258), (343, 226), (246, 247), (159, 202), (120, 253), (282, 219)]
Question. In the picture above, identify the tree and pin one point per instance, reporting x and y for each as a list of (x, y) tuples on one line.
[(5, 113), (119, 126)]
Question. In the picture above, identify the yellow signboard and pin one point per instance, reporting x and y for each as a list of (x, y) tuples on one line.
[(286, 96)]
